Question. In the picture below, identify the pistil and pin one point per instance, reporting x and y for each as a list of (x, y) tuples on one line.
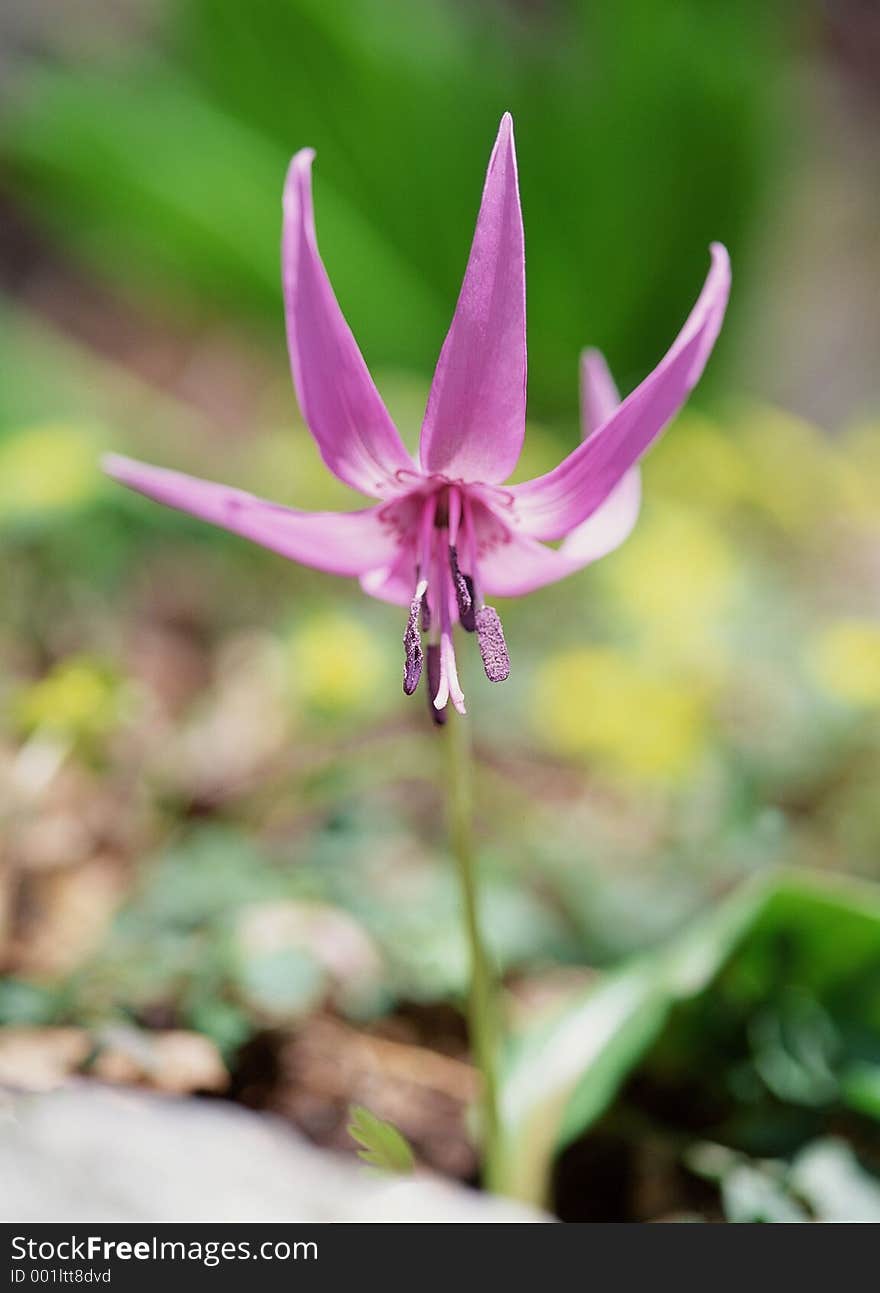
[(449, 687)]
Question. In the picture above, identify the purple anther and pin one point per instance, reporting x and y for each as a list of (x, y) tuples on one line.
[(493, 648), (412, 645), (463, 593)]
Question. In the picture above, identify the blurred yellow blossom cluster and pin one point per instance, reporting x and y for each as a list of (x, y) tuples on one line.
[(845, 659), (602, 703), (46, 469), (338, 665), (81, 699), (747, 592), (755, 558)]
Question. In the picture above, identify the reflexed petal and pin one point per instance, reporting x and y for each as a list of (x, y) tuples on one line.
[(344, 411), (599, 395), (343, 543), (475, 419), (521, 564), (552, 505), (613, 520)]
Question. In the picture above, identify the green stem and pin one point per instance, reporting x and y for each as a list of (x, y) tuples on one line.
[(482, 1025)]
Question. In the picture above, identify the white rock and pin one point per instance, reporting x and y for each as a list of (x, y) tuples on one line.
[(88, 1153)]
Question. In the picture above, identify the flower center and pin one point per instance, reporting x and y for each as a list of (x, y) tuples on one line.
[(446, 576)]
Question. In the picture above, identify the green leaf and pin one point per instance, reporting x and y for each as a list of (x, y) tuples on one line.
[(861, 1089), (562, 1075), (382, 1145)]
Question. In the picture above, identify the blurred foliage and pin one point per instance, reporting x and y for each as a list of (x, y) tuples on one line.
[(825, 1182), (695, 710), (219, 813), (643, 133), (744, 1030), (231, 939)]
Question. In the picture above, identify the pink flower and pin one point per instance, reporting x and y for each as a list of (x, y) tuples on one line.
[(446, 532)]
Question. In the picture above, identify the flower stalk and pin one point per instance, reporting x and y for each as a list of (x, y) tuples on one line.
[(445, 531), (482, 1009)]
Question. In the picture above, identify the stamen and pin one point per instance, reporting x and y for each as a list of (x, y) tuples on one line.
[(463, 584), (493, 648), (438, 715), (419, 610), (468, 619), (412, 645), (463, 594), (470, 537), (454, 515)]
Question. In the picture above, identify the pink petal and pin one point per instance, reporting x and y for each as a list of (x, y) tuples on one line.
[(521, 564), (337, 397), (475, 419), (613, 520), (343, 543), (552, 505), (607, 527), (393, 582), (599, 396)]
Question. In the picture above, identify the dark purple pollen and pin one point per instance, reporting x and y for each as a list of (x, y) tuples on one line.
[(412, 645), (426, 614), (493, 648), (438, 715), (464, 588), (469, 620)]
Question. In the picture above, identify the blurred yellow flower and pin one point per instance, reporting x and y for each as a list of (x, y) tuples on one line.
[(799, 473), (861, 450), (338, 665), (845, 661), (700, 462), (674, 580), (48, 468), (596, 702), (791, 470), (80, 699)]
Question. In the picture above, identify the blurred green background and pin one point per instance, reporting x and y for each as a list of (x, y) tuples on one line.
[(222, 821)]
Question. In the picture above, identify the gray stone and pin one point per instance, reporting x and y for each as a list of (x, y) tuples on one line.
[(90, 1153)]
